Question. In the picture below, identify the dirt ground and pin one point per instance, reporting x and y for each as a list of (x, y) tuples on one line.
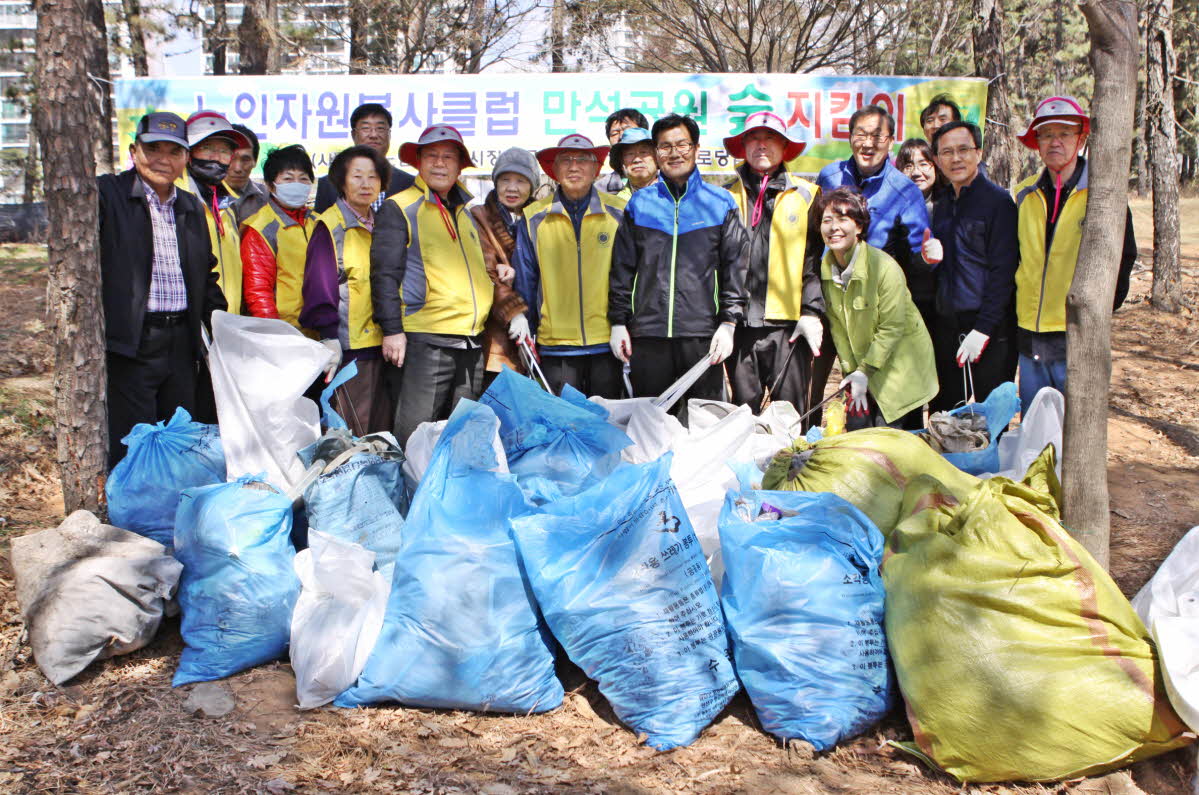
[(120, 727)]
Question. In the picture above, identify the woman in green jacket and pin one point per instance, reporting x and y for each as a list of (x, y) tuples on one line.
[(885, 350)]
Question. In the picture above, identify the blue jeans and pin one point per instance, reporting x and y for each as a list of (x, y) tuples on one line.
[(1035, 375)]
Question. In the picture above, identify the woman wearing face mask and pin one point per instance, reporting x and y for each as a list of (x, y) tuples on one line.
[(515, 174), (885, 351), (916, 161), (337, 289), (274, 240)]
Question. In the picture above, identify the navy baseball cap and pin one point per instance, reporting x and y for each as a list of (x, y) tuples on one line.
[(162, 126)]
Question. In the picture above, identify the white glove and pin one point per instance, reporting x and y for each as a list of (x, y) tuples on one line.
[(505, 273), (620, 343), (812, 330), (931, 249), (334, 348), (972, 347), (856, 381), (518, 328), (722, 343)]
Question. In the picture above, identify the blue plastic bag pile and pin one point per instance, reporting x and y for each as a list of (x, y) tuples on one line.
[(527, 533)]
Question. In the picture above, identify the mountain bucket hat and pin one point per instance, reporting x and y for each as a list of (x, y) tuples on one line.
[(210, 124), (1059, 110), (764, 120), (569, 143), (438, 133)]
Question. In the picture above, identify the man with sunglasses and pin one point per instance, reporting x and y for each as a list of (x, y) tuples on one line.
[(1052, 207), (677, 282)]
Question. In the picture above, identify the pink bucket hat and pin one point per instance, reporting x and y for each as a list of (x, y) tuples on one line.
[(1060, 110), (569, 143), (763, 120), (410, 152)]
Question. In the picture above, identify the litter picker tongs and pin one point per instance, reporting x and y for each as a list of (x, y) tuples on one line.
[(529, 359)]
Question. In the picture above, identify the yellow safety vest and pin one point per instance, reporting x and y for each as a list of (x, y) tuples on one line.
[(574, 272), (356, 326), (288, 240), (446, 289), (1043, 279), (788, 243), (226, 246)]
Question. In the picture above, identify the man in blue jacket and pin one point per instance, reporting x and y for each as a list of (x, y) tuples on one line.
[(677, 283), (975, 220), (898, 216)]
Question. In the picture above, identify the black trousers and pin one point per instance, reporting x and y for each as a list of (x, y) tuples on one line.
[(432, 381), (822, 366), (996, 365), (658, 362), (150, 386), (760, 355), (590, 373)]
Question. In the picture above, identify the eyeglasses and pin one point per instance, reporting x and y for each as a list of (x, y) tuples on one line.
[(1049, 137), (878, 138), (683, 148), (574, 160), (956, 152), (372, 128)]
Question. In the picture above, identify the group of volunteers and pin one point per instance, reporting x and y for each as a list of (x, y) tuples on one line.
[(926, 280)]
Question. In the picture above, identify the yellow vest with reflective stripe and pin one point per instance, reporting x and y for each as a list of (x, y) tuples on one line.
[(356, 327), (446, 289), (288, 240), (226, 246), (574, 272), (1043, 279), (788, 243)]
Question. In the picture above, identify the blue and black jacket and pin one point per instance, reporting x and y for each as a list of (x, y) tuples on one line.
[(678, 265)]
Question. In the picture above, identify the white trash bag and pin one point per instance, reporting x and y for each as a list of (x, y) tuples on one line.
[(1019, 447), (1169, 606), (260, 370), (337, 618)]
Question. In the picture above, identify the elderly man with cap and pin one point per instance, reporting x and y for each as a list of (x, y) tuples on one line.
[(158, 278), (677, 283), (370, 125), (429, 283), (213, 141), (782, 281), (563, 255), (1051, 207), (246, 196), (632, 157)]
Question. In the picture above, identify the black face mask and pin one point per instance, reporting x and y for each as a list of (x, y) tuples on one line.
[(208, 172)]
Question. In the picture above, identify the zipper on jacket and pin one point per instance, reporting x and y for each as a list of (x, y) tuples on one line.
[(1045, 263), (674, 252), (470, 279), (579, 260)]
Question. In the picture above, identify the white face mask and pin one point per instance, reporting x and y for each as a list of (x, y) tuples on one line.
[(292, 194)]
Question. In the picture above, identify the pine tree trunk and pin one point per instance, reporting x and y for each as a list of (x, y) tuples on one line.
[(557, 36), (99, 80), (218, 38), (256, 42), (67, 104), (1163, 155), (359, 20), (1140, 166), (989, 62), (137, 36), (32, 162), (1114, 62)]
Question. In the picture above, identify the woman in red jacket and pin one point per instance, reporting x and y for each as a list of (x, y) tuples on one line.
[(274, 240)]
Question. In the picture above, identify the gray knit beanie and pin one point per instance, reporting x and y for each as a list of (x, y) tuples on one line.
[(517, 161)]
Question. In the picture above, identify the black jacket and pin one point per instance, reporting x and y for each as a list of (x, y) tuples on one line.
[(326, 194), (695, 244), (977, 229), (127, 257)]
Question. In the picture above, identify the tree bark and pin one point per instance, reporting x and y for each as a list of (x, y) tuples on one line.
[(137, 36), (989, 63), (359, 21), (1163, 155), (218, 38), (99, 80), (1140, 166), (32, 162), (67, 102), (1114, 61), (557, 36), (257, 44)]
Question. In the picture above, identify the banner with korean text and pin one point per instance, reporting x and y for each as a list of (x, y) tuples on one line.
[(498, 111)]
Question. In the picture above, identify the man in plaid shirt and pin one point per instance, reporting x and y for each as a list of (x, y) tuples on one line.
[(158, 281)]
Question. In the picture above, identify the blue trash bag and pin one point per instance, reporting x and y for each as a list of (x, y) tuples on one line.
[(554, 447), (162, 460), (577, 398), (363, 499), (999, 408), (461, 629), (238, 586), (623, 584), (803, 600)]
